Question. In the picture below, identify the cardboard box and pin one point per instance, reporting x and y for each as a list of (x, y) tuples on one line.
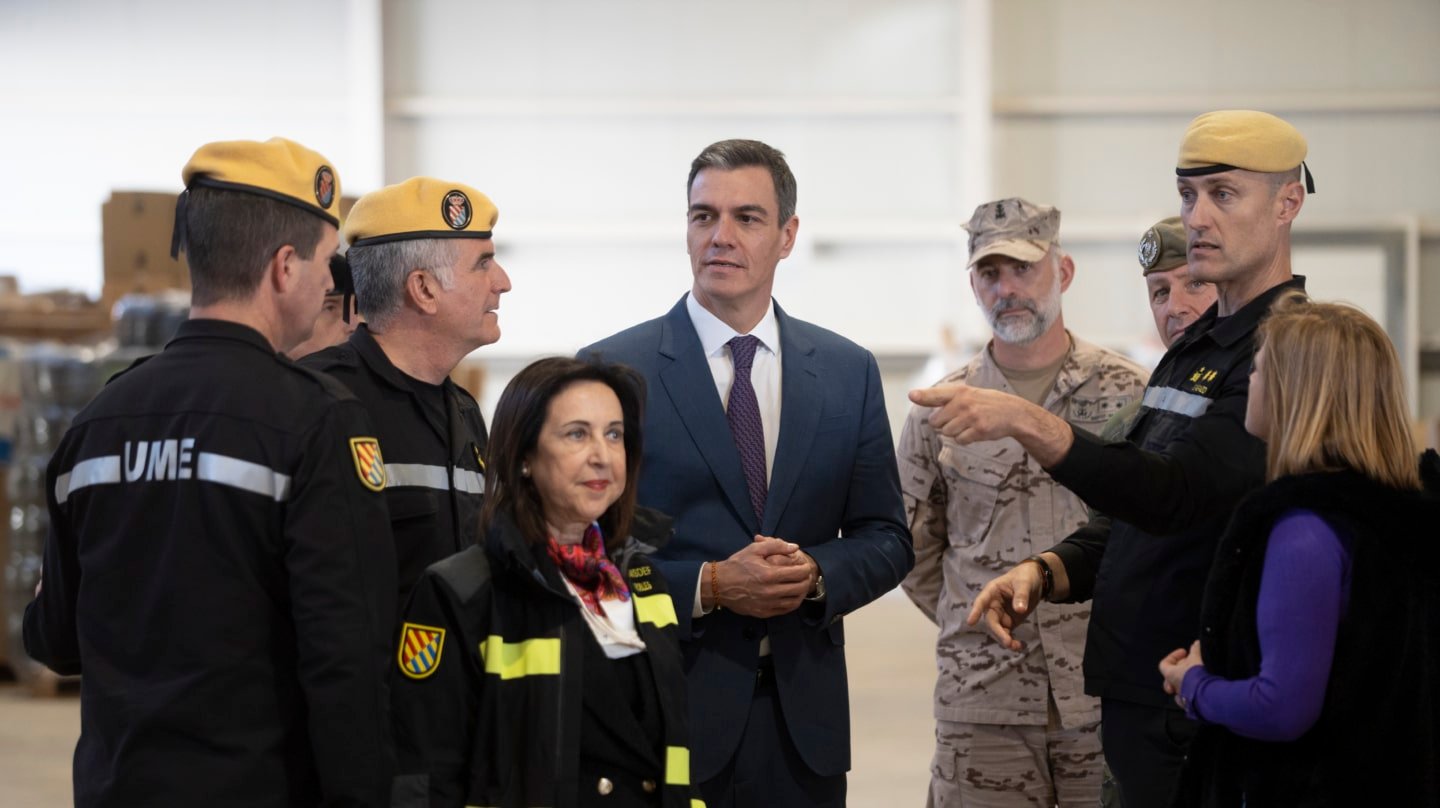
[(136, 227)]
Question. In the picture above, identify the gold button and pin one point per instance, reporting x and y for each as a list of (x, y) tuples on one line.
[(604, 786), (649, 786)]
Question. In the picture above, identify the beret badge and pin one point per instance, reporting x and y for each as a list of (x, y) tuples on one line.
[(1149, 251), (324, 186), (455, 210)]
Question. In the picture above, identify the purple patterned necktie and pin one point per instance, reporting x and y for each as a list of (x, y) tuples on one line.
[(743, 413)]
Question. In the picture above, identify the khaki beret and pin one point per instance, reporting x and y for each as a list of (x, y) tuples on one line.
[(1241, 138), (1163, 247), (1013, 228), (420, 208), (279, 169)]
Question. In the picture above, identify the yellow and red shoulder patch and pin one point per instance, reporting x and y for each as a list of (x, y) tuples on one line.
[(420, 648), (368, 462)]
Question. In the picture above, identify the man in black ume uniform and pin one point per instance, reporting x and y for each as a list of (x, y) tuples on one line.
[(219, 567)]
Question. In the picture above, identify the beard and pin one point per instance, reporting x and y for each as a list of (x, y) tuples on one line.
[(1023, 329)]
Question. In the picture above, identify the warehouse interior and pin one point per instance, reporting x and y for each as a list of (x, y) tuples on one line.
[(579, 119)]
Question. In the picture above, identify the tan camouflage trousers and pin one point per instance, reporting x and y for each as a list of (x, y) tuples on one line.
[(1000, 766)]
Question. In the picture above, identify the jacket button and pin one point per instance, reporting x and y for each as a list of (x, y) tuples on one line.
[(648, 786), (1209, 630), (604, 786)]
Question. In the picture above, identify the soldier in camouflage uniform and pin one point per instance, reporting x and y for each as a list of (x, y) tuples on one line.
[(1012, 728)]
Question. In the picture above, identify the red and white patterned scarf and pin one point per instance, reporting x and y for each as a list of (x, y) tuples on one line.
[(594, 576)]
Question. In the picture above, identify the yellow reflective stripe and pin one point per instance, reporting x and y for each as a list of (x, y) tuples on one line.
[(697, 804), (657, 609), (677, 766), (512, 660)]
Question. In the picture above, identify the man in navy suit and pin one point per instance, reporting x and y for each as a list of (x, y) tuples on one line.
[(766, 438)]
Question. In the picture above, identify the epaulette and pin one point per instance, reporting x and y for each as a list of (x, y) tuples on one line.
[(137, 363), (465, 572), (328, 383), (336, 356)]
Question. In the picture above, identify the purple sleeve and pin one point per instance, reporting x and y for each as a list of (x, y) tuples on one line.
[(1303, 591)]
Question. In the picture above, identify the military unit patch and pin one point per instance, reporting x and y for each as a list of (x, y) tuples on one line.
[(420, 648), (368, 462)]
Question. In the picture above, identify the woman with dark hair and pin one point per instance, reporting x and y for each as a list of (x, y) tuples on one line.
[(1317, 673), (543, 668)]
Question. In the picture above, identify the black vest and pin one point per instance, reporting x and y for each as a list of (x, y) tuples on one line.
[(1379, 730)]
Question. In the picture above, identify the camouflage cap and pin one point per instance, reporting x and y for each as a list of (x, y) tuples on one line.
[(1014, 228), (1162, 248)]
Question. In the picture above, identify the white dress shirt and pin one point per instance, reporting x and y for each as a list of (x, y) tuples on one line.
[(714, 333)]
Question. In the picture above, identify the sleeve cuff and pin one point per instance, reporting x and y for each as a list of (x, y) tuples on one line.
[(1190, 686), (698, 608)]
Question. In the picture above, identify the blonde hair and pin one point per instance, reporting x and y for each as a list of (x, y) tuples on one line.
[(1333, 394)]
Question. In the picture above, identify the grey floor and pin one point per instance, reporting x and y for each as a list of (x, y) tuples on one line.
[(889, 647)]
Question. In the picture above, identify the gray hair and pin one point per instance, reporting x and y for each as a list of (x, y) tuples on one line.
[(728, 155), (380, 271)]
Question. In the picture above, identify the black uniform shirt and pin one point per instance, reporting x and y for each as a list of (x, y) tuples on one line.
[(222, 576), (434, 467), (1169, 490)]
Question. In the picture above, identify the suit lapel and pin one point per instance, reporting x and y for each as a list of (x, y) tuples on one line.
[(800, 405), (691, 388)]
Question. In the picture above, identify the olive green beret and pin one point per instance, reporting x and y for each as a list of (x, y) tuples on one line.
[(1163, 247), (1241, 138), (420, 208)]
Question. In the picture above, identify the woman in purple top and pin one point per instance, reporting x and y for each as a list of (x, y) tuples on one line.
[(1317, 673)]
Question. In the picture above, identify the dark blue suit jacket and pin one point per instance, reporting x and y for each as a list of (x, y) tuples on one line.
[(834, 490)]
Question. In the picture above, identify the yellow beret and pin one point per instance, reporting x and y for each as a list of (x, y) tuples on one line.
[(279, 169), (1239, 138), (420, 207), (1163, 246)]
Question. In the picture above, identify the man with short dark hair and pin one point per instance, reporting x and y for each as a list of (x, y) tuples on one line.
[(766, 438), (429, 286), (339, 317), (1168, 492), (219, 567)]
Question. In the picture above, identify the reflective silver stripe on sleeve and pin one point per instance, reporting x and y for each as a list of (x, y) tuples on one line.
[(95, 471), (470, 482), (242, 474), (1177, 401), (420, 475)]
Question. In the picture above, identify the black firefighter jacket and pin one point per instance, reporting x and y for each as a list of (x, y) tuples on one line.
[(489, 681)]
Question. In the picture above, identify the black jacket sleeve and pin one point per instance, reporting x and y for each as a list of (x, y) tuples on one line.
[(435, 712), (340, 559), (50, 631), (1204, 472)]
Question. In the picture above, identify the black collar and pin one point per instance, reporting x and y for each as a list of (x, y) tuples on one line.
[(224, 330), (373, 355), (1227, 331)]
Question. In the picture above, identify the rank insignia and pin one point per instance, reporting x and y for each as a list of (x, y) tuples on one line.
[(420, 648), (368, 463)]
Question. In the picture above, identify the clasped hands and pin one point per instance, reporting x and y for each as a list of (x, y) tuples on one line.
[(767, 578)]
